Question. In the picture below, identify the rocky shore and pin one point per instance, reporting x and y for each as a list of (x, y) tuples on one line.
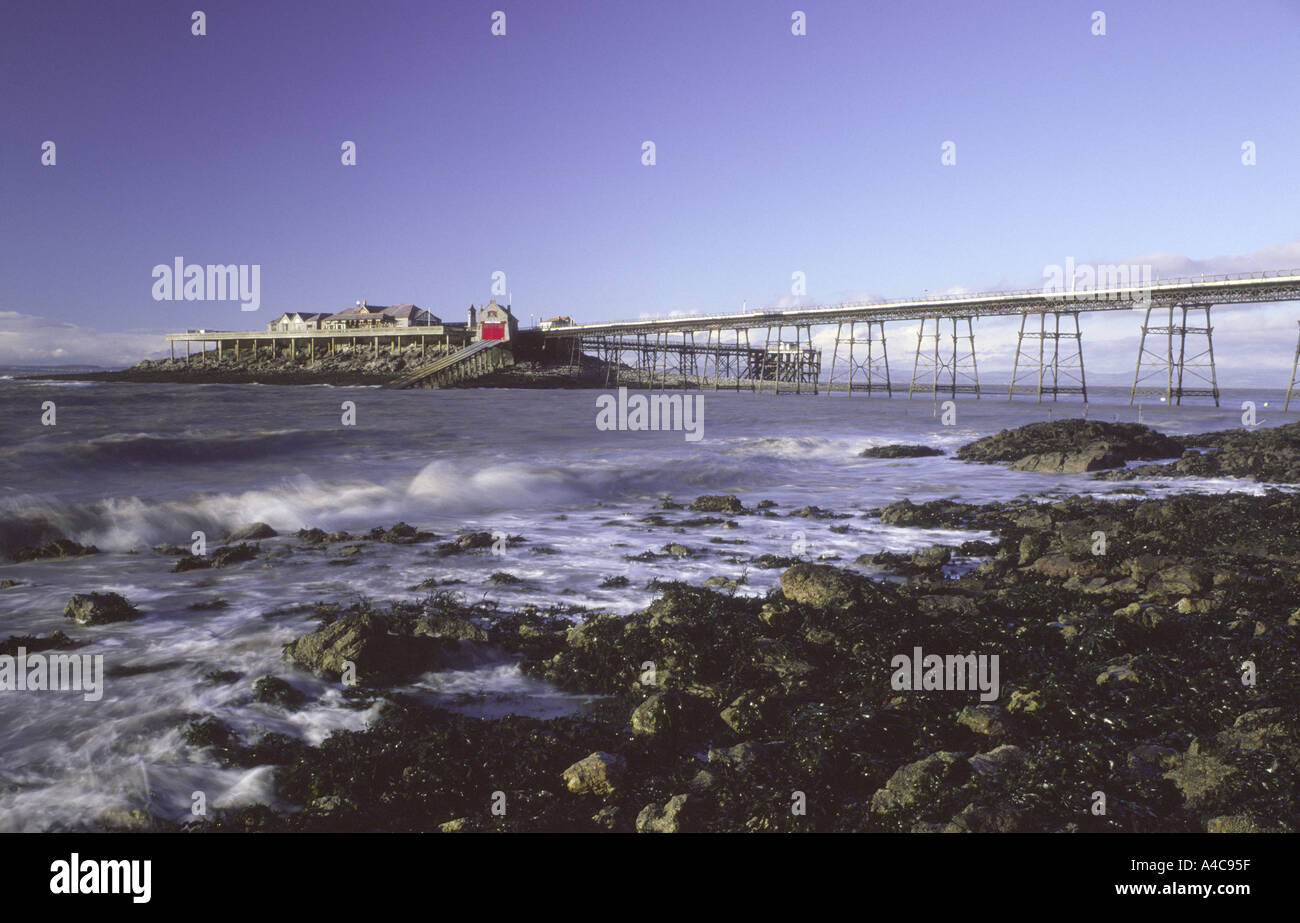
[(1148, 679), (533, 368)]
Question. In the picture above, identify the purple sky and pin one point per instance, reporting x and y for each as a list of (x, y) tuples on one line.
[(522, 153)]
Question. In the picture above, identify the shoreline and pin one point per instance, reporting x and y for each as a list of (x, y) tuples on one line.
[(1120, 671)]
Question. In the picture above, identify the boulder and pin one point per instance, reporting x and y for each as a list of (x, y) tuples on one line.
[(99, 609), (369, 642), (717, 503), (252, 533), (1071, 446), (668, 712), (822, 585), (600, 773), (899, 450), (673, 817), (918, 781)]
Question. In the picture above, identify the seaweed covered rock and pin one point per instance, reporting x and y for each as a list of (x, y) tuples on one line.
[(598, 774), (824, 585), (59, 548), (900, 451), (1271, 454), (373, 648), (1071, 446), (99, 609), (717, 503)]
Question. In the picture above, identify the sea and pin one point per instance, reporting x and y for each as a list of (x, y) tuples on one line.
[(127, 467)]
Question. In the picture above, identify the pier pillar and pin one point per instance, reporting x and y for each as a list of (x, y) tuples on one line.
[(172, 345), (1173, 363), (1290, 389), (1067, 365), (955, 372), (860, 366)]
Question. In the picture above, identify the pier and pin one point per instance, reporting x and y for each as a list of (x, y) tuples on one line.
[(772, 350)]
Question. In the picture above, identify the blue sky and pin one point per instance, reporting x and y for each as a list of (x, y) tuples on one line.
[(522, 153)]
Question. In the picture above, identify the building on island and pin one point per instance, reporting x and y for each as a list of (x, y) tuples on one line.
[(562, 320), (496, 322), (363, 316), (296, 320)]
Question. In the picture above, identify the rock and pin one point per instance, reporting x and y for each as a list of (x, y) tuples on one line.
[(745, 714), (739, 758), (600, 773), (947, 606), (1025, 701), (717, 503), (126, 820), (1071, 446), (34, 644), (1178, 580), (677, 550), (1268, 454), (1093, 458), (222, 557), (822, 585), (367, 641), (252, 533), (1240, 823), (402, 534), (984, 819), (276, 691), (59, 548), (816, 512), (918, 781), (899, 450), (474, 541), (1199, 776), (673, 817), (983, 719), (99, 609), (932, 558), (458, 825), (668, 712), (449, 626), (1118, 673), (607, 817), (997, 762), (1031, 546)]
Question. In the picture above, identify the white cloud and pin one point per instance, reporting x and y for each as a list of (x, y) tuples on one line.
[(26, 339)]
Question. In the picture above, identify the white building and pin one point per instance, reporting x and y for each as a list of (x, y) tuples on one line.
[(297, 320)]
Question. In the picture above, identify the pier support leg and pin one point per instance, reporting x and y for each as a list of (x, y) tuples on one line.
[(958, 369), (1058, 371), (1176, 369), (860, 366), (1295, 365)]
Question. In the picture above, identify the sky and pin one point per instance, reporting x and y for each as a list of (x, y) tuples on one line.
[(522, 153)]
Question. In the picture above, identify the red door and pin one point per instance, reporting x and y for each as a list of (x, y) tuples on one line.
[(494, 331)]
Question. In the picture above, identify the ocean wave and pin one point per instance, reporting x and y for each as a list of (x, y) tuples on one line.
[(162, 448)]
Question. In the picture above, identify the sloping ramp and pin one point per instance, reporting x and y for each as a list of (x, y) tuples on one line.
[(474, 360)]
